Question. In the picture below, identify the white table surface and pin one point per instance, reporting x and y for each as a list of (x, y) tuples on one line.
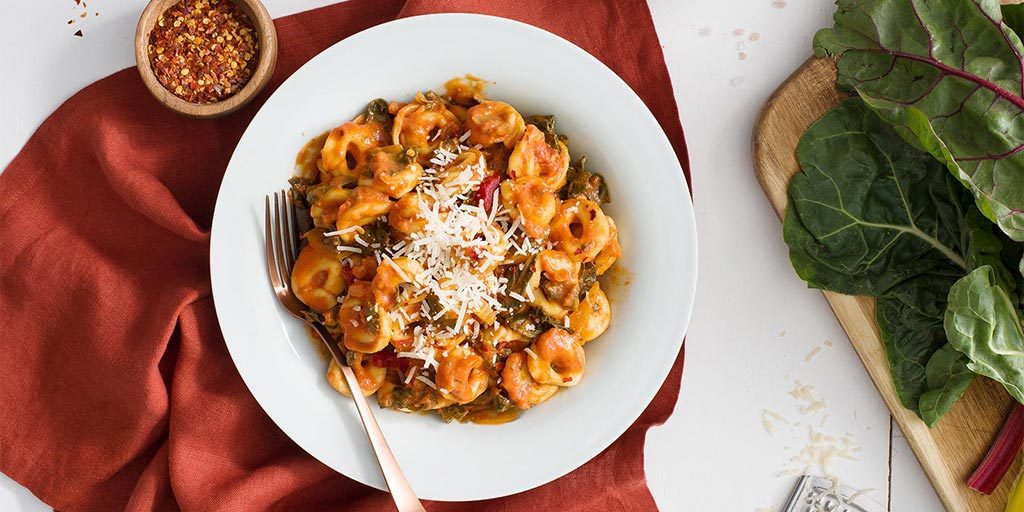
[(756, 326)]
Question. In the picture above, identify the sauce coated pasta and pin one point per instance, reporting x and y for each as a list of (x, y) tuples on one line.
[(453, 249)]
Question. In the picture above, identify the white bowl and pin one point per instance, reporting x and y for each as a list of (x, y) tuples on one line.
[(538, 73)]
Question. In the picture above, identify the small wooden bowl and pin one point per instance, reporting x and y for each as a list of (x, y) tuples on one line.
[(261, 75)]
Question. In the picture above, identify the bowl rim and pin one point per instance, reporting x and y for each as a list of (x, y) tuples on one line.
[(266, 32)]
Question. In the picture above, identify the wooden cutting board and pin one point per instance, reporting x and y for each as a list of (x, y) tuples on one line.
[(949, 452)]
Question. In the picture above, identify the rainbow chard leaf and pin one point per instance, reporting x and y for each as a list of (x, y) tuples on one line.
[(948, 75), (869, 214), (928, 374), (947, 377), (868, 211), (982, 323), (1013, 16)]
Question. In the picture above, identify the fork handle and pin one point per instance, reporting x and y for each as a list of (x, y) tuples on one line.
[(401, 492)]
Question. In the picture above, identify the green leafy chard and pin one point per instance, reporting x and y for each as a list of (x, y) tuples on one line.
[(1013, 17), (948, 75), (867, 211), (588, 276), (583, 183), (871, 215), (546, 124), (377, 111), (947, 377), (910, 321), (982, 322)]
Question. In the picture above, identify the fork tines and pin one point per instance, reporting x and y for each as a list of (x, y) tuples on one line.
[(281, 238)]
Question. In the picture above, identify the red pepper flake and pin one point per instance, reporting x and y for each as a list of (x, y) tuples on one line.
[(203, 51), (387, 358), (486, 191), (384, 358), (474, 253), (347, 273)]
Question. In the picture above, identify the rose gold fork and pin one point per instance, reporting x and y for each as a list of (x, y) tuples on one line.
[(282, 244)]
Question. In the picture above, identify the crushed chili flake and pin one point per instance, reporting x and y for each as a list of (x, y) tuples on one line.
[(203, 51), (485, 193)]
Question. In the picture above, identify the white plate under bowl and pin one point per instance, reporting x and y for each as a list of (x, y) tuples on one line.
[(538, 73)]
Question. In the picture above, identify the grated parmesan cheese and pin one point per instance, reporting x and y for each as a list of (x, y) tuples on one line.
[(459, 246), (343, 231), (426, 381)]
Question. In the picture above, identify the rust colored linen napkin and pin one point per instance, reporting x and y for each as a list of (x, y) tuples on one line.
[(117, 389)]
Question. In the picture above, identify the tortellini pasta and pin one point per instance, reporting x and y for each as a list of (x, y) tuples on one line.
[(347, 148), (464, 173), (494, 122), (395, 171), (536, 156), (324, 202), (363, 207), (406, 215), (555, 283), (535, 205), (522, 389), (390, 275), (423, 123), (591, 318), (611, 251), (453, 250), (556, 358), (461, 376), (318, 277), (370, 377), (580, 229), (364, 328)]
